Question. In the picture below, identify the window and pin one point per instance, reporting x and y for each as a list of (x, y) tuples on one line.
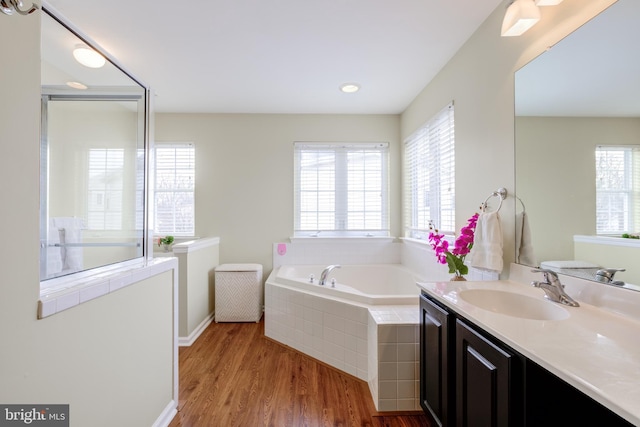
[(106, 186), (616, 188), (341, 189), (430, 177), (174, 189)]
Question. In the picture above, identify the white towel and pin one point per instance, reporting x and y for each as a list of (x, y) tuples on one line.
[(53, 253), (524, 247), (486, 253), (70, 233)]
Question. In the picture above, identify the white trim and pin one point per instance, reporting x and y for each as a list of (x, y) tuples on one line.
[(607, 240), (194, 245), (167, 414), (193, 336)]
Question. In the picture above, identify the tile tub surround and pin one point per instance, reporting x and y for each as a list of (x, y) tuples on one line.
[(595, 349), (344, 334)]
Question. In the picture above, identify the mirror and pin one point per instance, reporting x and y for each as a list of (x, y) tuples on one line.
[(92, 159), (581, 95)]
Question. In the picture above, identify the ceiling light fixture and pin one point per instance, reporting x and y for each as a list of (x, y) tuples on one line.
[(88, 57), (77, 85), (520, 16), (9, 6), (350, 87)]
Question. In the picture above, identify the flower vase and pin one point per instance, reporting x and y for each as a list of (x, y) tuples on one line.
[(457, 278), (166, 247)]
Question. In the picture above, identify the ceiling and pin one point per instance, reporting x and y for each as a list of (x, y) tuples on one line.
[(279, 56)]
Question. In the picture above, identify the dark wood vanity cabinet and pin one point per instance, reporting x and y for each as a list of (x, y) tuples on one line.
[(436, 394), (469, 378), (488, 381), (465, 379)]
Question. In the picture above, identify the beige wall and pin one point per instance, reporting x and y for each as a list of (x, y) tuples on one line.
[(110, 358), (555, 158), (244, 172), (197, 262), (480, 81)]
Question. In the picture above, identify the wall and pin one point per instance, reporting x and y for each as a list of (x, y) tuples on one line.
[(197, 262), (555, 158), (244, 172), (479, 79), (111, 358)]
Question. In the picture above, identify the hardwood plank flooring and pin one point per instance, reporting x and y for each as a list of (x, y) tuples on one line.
[(233, 376)]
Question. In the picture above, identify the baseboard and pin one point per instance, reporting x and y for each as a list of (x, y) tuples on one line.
[(187, 341), (167, 415)]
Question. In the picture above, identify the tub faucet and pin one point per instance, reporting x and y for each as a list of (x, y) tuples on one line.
[(553, 289), (325, 273)]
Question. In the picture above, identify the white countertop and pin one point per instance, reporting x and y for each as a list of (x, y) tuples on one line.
[(595, 349)]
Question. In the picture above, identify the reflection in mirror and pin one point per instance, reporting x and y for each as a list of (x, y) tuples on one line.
[(577, 140), (92, 160)]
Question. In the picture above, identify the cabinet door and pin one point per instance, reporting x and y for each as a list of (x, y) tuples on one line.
[(484, 381), (435, 379)]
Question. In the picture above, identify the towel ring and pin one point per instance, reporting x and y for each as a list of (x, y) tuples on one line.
[(524, 208), (501, 193)]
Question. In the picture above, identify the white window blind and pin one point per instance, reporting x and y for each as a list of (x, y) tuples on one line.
[(106, 187), (617, 185), (174, 204), (341, 189), (430, 176)]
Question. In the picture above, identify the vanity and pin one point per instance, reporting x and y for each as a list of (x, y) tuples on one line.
[(498, 353)]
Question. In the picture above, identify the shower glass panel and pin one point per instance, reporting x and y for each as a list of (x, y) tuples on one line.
[(92, 160)]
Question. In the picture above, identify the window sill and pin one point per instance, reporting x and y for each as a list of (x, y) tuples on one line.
[(339, 238), (423, 242), (74, 291), (608, 240)]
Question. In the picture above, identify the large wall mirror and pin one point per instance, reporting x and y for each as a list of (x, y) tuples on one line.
[(93, 132), (578, 149)]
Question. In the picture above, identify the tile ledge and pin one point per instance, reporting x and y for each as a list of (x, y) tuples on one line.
[(73, 292)]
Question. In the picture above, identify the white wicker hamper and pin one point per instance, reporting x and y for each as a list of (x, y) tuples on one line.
[(239, 293)]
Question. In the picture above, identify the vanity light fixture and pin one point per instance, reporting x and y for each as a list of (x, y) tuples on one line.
[(88, 57), (350, 87), (548, 2), (520, 16)]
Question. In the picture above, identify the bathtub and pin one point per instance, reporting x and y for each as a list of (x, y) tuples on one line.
[(375, 284), (367, 325)]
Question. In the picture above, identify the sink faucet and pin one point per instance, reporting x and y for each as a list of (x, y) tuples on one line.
[(325, 273), (553, 289)]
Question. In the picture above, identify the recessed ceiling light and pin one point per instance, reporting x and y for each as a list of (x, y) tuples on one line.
[(77, 85), (88, 57), (350, 87)]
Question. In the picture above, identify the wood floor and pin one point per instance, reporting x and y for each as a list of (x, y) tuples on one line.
[(233, 376)]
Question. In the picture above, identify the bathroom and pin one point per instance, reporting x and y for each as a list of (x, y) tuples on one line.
[(41, 361)]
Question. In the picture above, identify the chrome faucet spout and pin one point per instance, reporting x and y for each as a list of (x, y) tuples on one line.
[(553, 289), (325, 273)]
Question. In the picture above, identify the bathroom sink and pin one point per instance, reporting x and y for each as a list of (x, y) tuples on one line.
[(515, 305)]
